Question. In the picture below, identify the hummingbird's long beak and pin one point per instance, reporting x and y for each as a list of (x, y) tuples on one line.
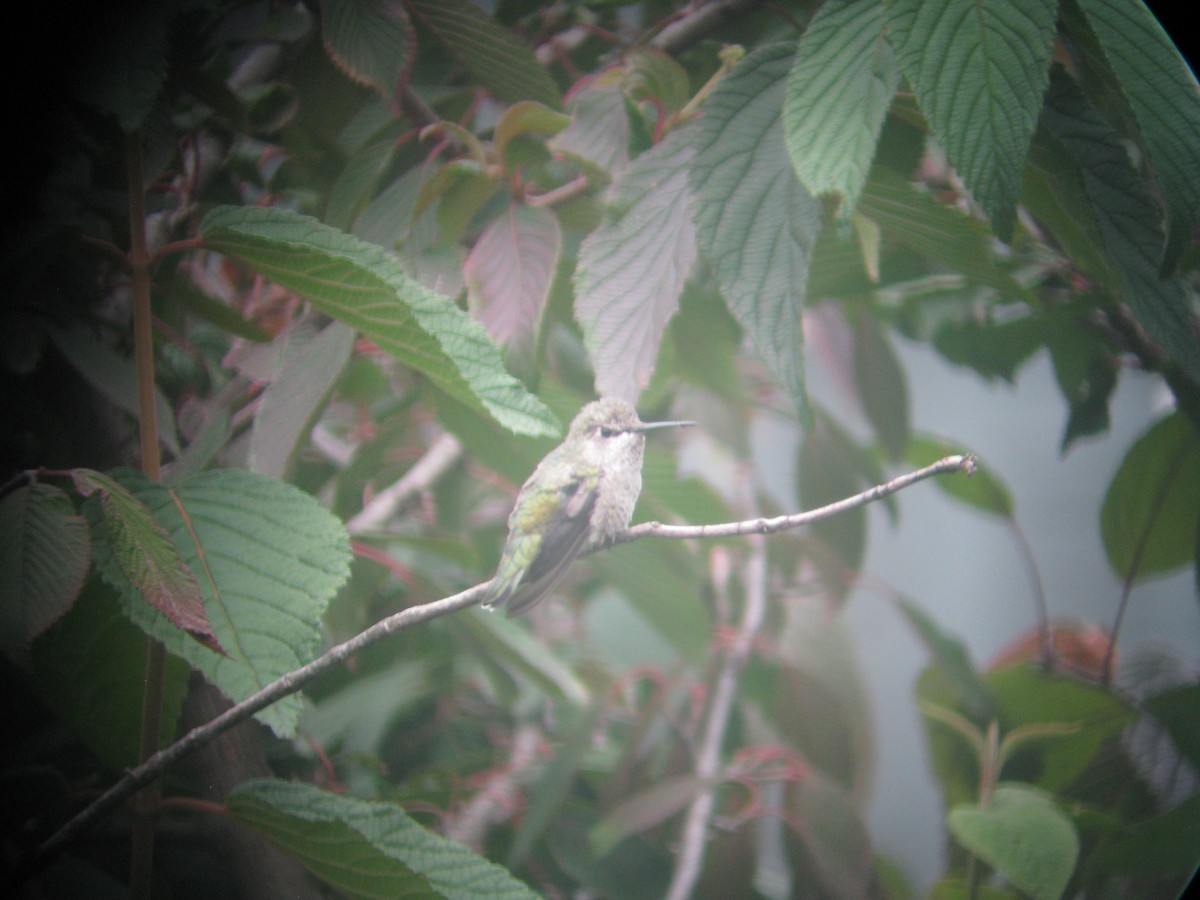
[(649, 426)]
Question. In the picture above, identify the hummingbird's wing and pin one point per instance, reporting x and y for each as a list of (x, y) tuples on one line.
[(535, 560)]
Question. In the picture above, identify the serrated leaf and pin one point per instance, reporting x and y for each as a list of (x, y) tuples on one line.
[(491, 53), (44, 556), (291, 403), (368, 40), (979, 69), (1151, 511), (838, 93), (363, 286), (1127, 220), (1165, 99), (1023, 834), (270, 559), (756, 224), (87, 670), (366, 849), (983, 489), (632, 268), (133, 552), (509, 272)]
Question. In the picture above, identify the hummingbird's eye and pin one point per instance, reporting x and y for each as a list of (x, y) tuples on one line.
[(608, 432)]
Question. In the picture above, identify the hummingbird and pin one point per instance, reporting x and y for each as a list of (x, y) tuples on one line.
[(580, 496)]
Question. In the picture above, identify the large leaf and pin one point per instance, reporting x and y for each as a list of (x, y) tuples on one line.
[(44, 556), (1165, 100), (269, 559), (1021, 833), (369, 41), (838, 92), (755, 223), (599, 131), (134, 553), (1151, 513), (509, 272), (493, 55), (1126, 220), (367, 289), (633, 267), (979, 69), (87, 669), (1028, 696), (365, 849)]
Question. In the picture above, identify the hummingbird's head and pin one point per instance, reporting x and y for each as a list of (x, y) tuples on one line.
[(612, 425)]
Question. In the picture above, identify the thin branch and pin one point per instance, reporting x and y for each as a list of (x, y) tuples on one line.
[(709, 18), (708, 756), (441, 455), (797, 520), (294, 680)]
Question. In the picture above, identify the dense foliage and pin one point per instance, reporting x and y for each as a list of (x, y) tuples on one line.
[(333, 274)]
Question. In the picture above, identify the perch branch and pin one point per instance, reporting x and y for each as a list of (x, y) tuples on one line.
[(288, 684)]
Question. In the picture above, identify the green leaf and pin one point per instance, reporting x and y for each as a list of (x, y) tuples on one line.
[(1027, 697), (635, 869), (365, 849), (292, 402), (1151, 511), (838, 93), (650, 74), (87, 670), (633, 267), (1176, 709), (755, 223), (914, 219), (509, 272), (882, 386), (134, 553), (44, 556), (526, 117), (1021, 833), (363, 286), (368, 41), (599, 132), (269, 557), (492, 54), (958, 889), (1127, 220), (983, 489), (979, 69), (1155, 848), (1165, 100), (831, 466)]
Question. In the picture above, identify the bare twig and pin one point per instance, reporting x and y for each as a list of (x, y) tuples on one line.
[(294, 680), (685, 31), (708, 756), (441, 455)]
